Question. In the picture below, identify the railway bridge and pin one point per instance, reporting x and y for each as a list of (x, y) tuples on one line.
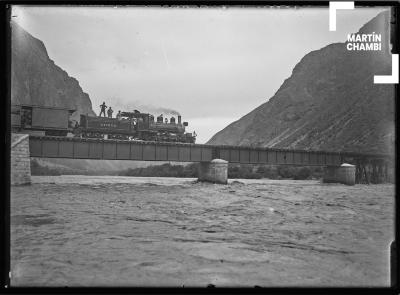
[(368, 167)]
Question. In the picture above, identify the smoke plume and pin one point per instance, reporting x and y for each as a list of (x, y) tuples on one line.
[(118, 105)]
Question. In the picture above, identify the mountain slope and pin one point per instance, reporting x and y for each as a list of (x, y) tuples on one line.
[(37, 80), (329, 103)]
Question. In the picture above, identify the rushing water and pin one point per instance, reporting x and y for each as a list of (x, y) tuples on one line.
[(128, 231)]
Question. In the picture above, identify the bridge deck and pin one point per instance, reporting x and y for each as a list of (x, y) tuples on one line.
[(78, 148)]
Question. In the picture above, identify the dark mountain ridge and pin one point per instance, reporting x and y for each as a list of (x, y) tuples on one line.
[(37, 80), (328, 103)]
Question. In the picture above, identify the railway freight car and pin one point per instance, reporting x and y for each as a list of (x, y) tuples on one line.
[(41, 120), (135, 126)]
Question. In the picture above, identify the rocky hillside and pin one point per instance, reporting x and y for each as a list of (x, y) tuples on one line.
[(328, 103), (37, 80)]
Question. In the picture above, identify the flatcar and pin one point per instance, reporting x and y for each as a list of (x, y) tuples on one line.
[(41, 120), (135, 126)]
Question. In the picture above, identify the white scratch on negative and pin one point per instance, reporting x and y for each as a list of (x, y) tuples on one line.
[(165, 55)]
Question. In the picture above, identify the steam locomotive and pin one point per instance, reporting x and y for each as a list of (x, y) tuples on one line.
[(128, 126)]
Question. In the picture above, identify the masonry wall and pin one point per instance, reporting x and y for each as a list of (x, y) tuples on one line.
[(215, 171), (341, 174), (20, 159)]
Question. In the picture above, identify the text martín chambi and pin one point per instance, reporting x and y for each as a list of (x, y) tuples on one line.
[(364, 42)]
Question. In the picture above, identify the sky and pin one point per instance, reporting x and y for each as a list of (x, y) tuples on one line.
[(212, 65)]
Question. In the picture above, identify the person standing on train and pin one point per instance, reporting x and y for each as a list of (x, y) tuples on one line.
[(103, 109), (110, 112)]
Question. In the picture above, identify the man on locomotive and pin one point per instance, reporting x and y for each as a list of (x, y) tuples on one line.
[(103, 109), (110, 112), (119, 115)]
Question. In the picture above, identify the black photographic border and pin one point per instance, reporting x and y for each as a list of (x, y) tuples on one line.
[(5, 88)]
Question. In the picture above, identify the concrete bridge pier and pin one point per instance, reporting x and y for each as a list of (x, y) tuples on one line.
[(215, 171), (20, 165), (345, 174)]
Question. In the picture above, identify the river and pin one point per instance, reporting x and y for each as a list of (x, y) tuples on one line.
[(140, 231)]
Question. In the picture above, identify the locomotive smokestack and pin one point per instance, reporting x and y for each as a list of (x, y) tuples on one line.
[(179, 119)]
